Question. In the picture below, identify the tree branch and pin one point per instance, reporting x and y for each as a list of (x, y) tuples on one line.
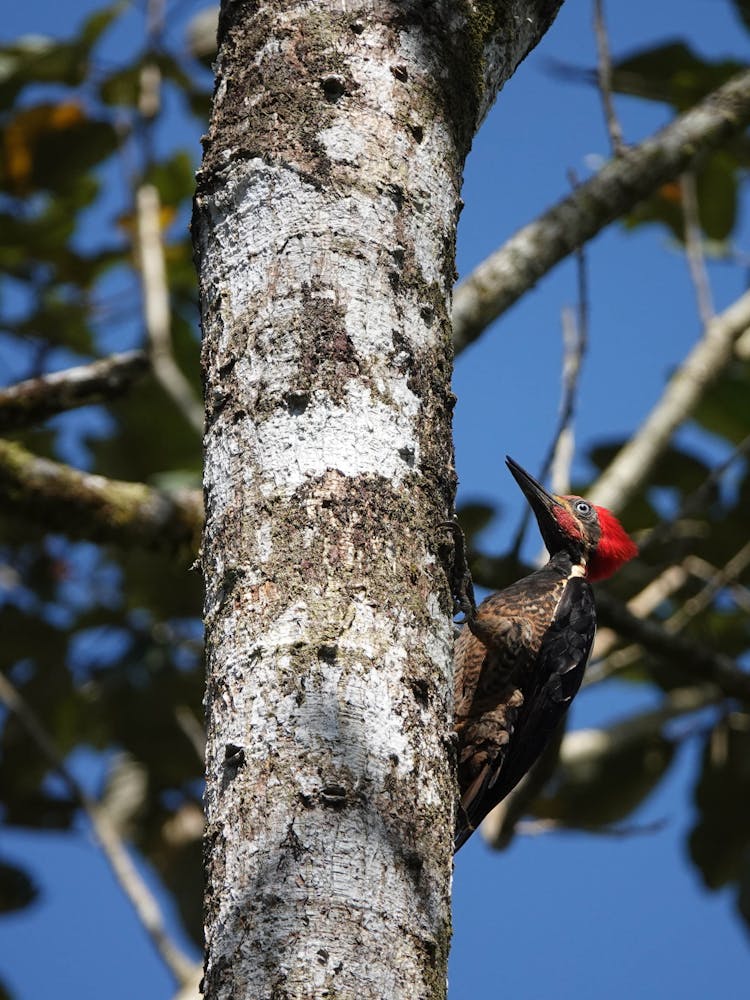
[(534, 250), (96, 508), (36, 399), (604, 78), (662, 587), (575, 345), (719, 579), (694, 248), (693, 659), (632, 464), (157, 309), (559, 457), (127, 875)]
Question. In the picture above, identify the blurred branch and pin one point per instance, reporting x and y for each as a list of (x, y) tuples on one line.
[(93, 507), (140, 896), (718, 581), (575, 344), (722, 578), (36, 399), (660, 589), (560, 456), (672, 579), (191, 990), (150, 244), (604, 78), (693, 658), (694, 248), (528, 255), (193, 730), (157, 308), (633, 463), (694, 502), (533, 827)]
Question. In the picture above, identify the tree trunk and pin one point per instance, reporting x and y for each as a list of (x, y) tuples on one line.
[(325, 229)]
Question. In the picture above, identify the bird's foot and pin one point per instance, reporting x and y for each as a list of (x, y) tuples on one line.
[(462, 586)]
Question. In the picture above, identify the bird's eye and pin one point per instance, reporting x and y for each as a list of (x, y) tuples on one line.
[(582, 507)]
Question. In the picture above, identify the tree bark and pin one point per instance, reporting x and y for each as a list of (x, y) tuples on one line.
[(324, 228)]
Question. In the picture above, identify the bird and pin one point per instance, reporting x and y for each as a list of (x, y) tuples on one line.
[(520, 656)]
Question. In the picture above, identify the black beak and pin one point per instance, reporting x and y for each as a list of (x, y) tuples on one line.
[(541, 502)]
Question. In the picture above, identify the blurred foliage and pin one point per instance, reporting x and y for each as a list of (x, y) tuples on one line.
[(105, 645), (675, 75)]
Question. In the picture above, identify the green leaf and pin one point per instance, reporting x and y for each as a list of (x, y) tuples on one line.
[(37, 59), (122, 87), (97, 23), (59, 321), (716, 192), (743, 896), (475, 517), (677, 468), (175, 179), (742, 9), (199, 102), (672, 73), (716, 182), (42, 59), (62, 156), (50, 146), (721, 835), (603, 775), (725, 407), (17, 889)]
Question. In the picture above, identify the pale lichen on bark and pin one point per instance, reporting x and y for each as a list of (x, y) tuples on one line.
[(325, 233)]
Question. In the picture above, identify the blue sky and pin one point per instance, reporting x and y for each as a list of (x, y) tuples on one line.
[(556, 916)]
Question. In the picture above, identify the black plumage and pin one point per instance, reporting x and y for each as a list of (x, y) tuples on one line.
[(520, 658)]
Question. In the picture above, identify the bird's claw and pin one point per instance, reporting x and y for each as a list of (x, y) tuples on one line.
[(462, 585)]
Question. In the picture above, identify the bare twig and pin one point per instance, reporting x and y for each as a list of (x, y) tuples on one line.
[(658, 590), (36, 399), (528, 255), (150, 246), (694, 248), (575, 345), (604, 77), (667, 584), (695, 500), (703, 599), (633, 463), (99, 509), (140, 896), (559, 455), (703, 570), (693, 658), (193, 730), (643, 604)]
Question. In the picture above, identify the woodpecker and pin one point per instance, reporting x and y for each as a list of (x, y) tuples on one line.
[(520, 657)]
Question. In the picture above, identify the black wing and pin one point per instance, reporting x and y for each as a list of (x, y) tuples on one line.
[(548, 690)]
